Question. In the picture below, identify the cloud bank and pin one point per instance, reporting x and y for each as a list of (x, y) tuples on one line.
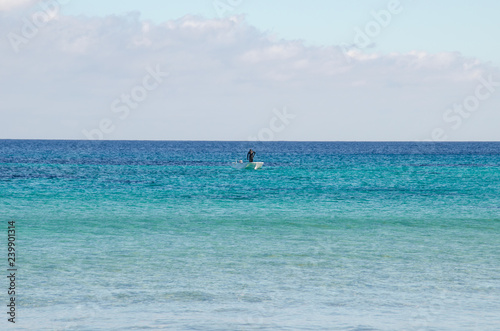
[(62, 75)]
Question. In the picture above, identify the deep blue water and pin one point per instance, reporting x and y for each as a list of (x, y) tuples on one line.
[(338, 236)]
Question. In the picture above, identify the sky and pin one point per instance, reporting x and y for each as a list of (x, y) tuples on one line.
[(319, 70)]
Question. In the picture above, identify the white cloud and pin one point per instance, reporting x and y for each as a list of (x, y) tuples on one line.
[(225, 79), (6, 5)]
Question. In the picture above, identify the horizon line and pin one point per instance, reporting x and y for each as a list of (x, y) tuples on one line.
[(257, 141)]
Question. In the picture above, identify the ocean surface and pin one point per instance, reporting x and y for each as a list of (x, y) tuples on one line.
[(136, 235)]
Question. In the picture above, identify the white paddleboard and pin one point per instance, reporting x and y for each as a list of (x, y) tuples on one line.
[(247, 165)]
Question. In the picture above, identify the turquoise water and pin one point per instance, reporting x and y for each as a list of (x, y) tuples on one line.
[(337, 236)]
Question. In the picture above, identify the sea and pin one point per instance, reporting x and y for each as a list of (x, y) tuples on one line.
[(143, 235)]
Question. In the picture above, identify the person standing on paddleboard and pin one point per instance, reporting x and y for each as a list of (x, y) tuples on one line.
[(250, 155)]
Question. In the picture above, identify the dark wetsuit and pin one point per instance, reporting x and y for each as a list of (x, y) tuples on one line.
[(250, 156)]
